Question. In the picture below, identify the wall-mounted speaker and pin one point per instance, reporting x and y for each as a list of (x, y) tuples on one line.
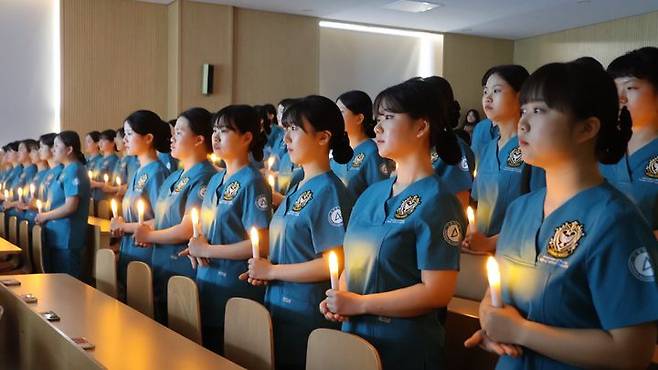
[(207, 79)]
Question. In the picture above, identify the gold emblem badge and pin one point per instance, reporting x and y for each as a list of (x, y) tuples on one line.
[(452, 233), (302, 201), (231, 191), (514, 159), (652, 168), (202, 192), (407, 207), (181, 184), (565, 239), (434, 156), (358, 159), (141, 182)]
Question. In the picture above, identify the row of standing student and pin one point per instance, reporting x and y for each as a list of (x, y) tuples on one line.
[(567, 258)]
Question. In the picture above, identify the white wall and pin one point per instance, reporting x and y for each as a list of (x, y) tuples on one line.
[(371, 62), (27, 69)]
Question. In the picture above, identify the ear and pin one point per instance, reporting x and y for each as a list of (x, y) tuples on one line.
[(148, 138), (69, 151), (423, 128), (361, 118), (323, 137), (247, 137), (199, 140), (587, 129)]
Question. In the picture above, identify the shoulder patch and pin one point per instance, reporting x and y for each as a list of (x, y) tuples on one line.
[(335, 217), (141, 182), (452, 233), (434, 156), (76, 181), (181, 184), (565, 239), (651, 170), (231, 191), (261, 202), (407, 207), (202, 191), (515, 159), (463, 164), (358, 160), (639, 263), (302, 201)]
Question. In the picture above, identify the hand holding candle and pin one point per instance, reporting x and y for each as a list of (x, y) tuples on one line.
[(140, 211), (106, 178), (195, 222), (253, 235), (493, 274), (117, 180), (33, 189), (39, 205), (270, 181), (270, 163), (90, 174), (333, 270), (113, 204)]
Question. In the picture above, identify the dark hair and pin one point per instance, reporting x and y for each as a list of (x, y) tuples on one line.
[(47, 139), (477, 117), (358, 102), (95, 136), (121, 132), (640, 63), (417, 99), (323, 114), (172, 123), (589, 62), (583, 91), (31, 144), (285, 103), (263, 121), (446, 96), (514, 74), (108, 135), (270, 109), (144, 122), (71, 138), (200, 123), (243, 119), (13, 146)]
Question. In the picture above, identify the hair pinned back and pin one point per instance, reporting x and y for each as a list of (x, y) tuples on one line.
[(200, 123), (358, 102), (514, 74), (71, 139), (144, 122), (243, 119), (640, 63)]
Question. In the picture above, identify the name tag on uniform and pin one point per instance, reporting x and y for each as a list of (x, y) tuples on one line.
[(173, 257), (286, 300), (221, 273), (554, 261), (385, 320)]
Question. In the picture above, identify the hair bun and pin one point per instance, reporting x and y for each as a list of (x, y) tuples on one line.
[(341, 149)]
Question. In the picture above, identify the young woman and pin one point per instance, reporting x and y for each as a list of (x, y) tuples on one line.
[(308, 224), (126, 166), (636, 174), (32, 190), (286, 173), (92, 152), (238, 199), (366, 166), (66, 208), (144, 136), (401, 259), (165, 156), (502, 176), (171, 229), (577, 260), (20, 183), (104, 166)]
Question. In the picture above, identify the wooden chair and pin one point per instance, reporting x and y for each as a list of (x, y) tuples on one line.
[(12, 233), (24, 243), (106, 272), (330, 349), (37, 250), (18, 263), (139, 287), (92, 209), (248, 334), (183, 307), (3, 226), (472, 278), (103, 209)]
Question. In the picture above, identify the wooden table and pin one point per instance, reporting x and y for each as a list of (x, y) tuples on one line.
[(124, 338), (8, 248), (100, 222)]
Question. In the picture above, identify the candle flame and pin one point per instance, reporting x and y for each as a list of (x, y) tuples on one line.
[(270, 180), (39, 205), (106, 177), (493, 273), (470, 214), (333, 263), (118, 181)]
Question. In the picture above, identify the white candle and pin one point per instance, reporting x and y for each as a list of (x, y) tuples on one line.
[(39, 205), (253, 235), (113, 204), (195, 222), (333, 270), (32, 190), (270, 180), (493, 274), (6, 194), (471, 219), (106, 178), (270, 163), (117, 180), (90, 174), (20, 195), (140, 211)]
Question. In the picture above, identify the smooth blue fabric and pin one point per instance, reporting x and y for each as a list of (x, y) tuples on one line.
[(590, 264), (125, 168), (483, 133), (104, 165), (170, 162), (364, 169), (459, 177)]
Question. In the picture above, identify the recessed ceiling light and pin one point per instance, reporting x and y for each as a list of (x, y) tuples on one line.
[(583, 1), (412, 6)]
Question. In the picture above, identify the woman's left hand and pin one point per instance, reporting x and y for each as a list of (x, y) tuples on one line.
[(260, 269), (40, 218), (142, 234), (501, 324), (199, 247), (344, 303)]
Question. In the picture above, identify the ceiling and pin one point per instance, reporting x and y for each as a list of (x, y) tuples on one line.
[(509, 19)]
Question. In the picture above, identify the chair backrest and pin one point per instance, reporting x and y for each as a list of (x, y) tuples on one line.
[(106, 272), (24, 243), (139, 287), (248, 334), (3, 226), (472, 277), (37, 249), (103, 209), (333, 349), (183, 307), (13, 230), (92, 209)]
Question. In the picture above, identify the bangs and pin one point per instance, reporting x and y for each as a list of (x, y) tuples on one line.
[(388, 100), (549, 85), (294, 115)]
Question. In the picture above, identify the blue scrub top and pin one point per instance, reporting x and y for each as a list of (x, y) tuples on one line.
[(92, 165), (637, 177), (37, 180), (310, 220), (144, 184), (170, 162), (232, 206), (390, 239), (502, 177), (483, 133), (459, 177), (288, 176), (590, 264), (272, 146), (364, 169), (125, 168)]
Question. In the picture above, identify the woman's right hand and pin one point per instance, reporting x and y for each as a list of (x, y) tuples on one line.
[(116, 226), (480, 338)]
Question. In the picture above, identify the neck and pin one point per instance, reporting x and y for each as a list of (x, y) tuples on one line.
[(91, 154), (234, 165), (316, 167), (192, 160), (412, 168), (507, 129), (356, 139), (642, 136), (567, 179), (42, 165), (108, 153), (51, 163), (147, 157)]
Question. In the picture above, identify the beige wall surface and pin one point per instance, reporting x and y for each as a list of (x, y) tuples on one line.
[(603, 41), (114, 56), (466, 58)]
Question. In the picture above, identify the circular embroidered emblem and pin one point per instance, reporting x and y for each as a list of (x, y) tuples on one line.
[(231, 191), (358, 159), (407, 207), (335, 217), (141, 182), (452, 233), (652, 168), (565, 239), (261, 203), (302, 201), (463, 164), (515, 159), (384, 169), (434, 156), (640, 265), (181, 184), (202, 192)]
